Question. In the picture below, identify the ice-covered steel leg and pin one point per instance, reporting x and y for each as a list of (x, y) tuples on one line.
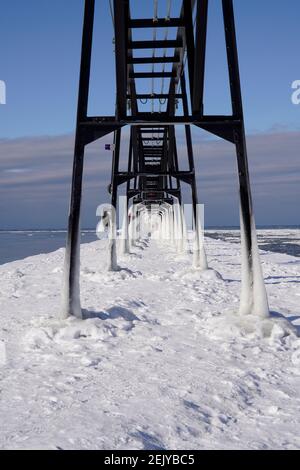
[(71, 290), (253, 293), (114, 195)]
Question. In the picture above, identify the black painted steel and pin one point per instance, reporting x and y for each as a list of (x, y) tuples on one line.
[(72, 299), (153, 171)]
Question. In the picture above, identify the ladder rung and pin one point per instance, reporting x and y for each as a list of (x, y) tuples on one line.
[(152, 139), (154, 60), (161, 190), (153, 154), (158, 96), (168, 44), (152, 74), (157, 157), (152, 131), (153, 148), (151, 157), (157, 23)]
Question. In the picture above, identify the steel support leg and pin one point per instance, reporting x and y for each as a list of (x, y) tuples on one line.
[(200, 258), (253, 296), (71, 294), (71, 304), (114, 195)]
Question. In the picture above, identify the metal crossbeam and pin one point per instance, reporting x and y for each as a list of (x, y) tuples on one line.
[(157, 23), (154, 60), (169, 44)]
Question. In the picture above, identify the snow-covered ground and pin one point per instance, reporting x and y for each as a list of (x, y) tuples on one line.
[(161, 361)]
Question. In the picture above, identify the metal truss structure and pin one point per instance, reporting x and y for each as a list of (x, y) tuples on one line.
[(154, 173)]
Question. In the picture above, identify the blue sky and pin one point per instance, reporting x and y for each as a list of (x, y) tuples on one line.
[(40, 52)]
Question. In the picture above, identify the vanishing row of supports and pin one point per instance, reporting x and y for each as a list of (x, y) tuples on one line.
[(164, 221), (153, 169)]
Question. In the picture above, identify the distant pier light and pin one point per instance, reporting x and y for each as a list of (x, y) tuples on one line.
[(2, 92)]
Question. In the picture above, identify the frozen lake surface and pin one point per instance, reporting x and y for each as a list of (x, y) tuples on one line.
[(16, 245), (281, 240)]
